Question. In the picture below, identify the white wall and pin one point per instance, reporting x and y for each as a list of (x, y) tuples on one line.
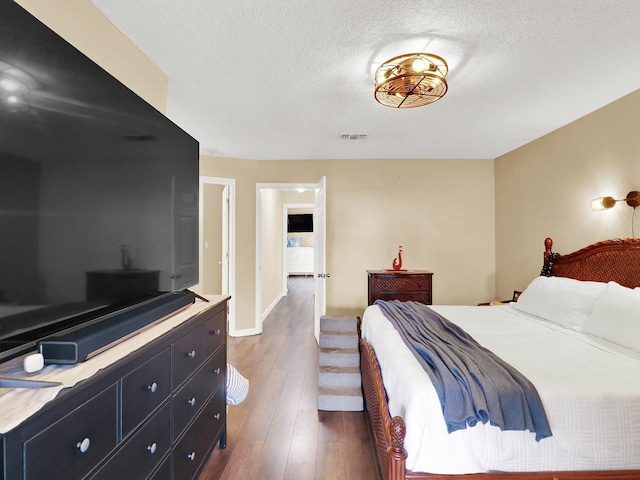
[(271, 247)]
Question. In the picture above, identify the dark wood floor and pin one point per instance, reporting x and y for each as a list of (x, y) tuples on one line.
[(277, 432)]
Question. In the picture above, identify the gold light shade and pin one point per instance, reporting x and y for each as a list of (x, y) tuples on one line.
[(604, 203), (411, 80)]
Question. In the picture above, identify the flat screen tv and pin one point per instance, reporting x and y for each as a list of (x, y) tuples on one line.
[(98, 190), (300, 222)]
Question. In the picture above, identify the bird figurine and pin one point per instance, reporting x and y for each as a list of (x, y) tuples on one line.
[(397, 262)]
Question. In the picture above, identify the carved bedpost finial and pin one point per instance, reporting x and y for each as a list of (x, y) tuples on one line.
[(397, 431), (396, 452), (549, 258)]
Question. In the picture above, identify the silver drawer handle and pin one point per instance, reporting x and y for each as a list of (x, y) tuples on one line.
[(153, 387), (217, 332), (192, 456), (191, 354), (217, 371), (152, 448), (217, 416), (192, 402), (84, 445)]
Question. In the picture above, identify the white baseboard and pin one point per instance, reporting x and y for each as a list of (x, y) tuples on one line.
[(245, 332), (272, 306)]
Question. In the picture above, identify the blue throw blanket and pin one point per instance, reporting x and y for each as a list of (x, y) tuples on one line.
[(473, 384)]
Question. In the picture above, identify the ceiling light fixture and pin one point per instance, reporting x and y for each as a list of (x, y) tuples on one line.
[(604, 203), (411, 80)]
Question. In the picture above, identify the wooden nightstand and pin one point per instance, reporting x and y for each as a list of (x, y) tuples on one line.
[(403, 285)]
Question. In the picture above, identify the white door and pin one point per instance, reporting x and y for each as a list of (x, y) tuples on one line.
[(217, 241), (184, 260), (213, 234), (320, 252), (224, 254)]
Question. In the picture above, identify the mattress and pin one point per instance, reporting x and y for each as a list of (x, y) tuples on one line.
[(590, 390)]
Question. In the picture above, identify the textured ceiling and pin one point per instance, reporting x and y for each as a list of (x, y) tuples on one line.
[(282, 79)]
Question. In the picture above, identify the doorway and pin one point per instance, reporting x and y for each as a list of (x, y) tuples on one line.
[(263, 257), (298, 251), (217, 241)]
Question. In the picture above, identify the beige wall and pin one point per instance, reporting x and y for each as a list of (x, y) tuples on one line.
[(440, 211), (272, 247), (84, 26), (244, 173), (543, 189)]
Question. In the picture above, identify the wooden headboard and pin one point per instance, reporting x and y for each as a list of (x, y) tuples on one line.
[(615, 260)]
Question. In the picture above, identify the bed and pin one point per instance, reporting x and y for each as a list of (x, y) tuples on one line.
[(582, 325)]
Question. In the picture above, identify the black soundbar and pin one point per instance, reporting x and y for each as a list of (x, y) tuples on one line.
[(85, 342)]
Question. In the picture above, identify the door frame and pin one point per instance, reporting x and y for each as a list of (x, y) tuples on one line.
[(258, 267), (231, 229), (320, 257)]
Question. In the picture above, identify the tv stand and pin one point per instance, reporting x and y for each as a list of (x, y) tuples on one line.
[(153, 406)]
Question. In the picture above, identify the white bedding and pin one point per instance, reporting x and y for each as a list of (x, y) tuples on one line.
[(590, 389)]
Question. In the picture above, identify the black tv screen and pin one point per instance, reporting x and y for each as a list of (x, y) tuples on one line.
[(300, 222), (98, 190)]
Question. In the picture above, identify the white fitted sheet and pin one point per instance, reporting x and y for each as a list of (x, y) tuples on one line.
[(590, 389)]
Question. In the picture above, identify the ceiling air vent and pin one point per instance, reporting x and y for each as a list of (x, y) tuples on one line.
[(353, 136)]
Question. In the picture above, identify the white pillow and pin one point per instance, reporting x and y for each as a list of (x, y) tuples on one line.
[(560, 300), (616, 316)]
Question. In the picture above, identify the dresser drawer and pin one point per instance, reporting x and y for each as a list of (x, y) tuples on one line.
[(76, 443), (216, 369), (214, 332), (186, 355), (422, 297), (164, 472), (144, 389), (193, 395), (142, 452), (196, 443), (401, 283)]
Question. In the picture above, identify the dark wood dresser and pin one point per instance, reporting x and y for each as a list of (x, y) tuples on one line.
[(155, 414), (403, 285)]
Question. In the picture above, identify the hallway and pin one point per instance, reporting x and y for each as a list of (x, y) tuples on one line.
[(277, 432)]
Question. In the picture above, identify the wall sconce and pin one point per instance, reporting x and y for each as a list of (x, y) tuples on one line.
[(604, 203)]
